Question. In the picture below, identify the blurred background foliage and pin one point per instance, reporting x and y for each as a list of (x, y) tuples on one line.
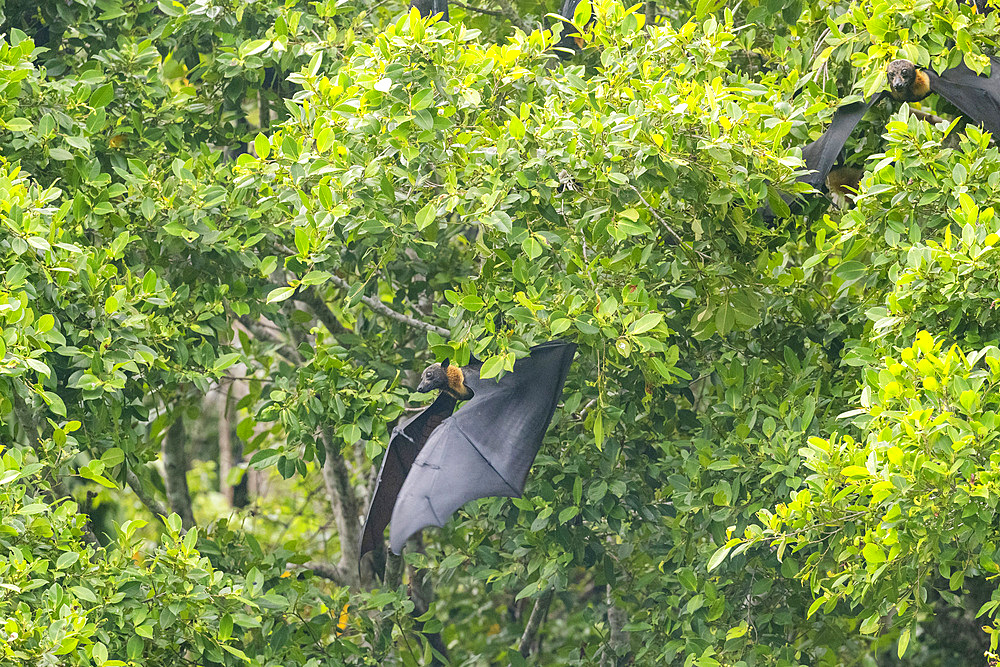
[(235, 232)]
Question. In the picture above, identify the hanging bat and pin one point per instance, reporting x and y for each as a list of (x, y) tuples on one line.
[(438, 461), (976, 97)]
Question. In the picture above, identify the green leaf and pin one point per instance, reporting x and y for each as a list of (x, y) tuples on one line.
[(84, 593), (645, 323), (280, 294), (426, 216), (102, 96), (18, 124), (302, 241), (316, 277), (904, 641), (225, 361), (491, 367), (718, 557), (55, 403), (262, 146), (225, 627), (873, 553), (516, 128), (422, 98), (850, 272), (67, 559)]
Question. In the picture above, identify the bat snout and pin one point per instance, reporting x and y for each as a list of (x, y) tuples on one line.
[(425, 386)]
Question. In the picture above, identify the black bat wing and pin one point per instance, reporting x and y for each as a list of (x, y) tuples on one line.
[(487, 447), (977, 97), (408, 438), (822, 154)]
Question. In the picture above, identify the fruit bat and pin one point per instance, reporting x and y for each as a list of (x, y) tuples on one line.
[(442, 458), (976, 97)]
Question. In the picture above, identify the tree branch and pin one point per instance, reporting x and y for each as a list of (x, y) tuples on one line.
[(344, 502), (478, 10), (382, 309), (617, 640), (175, 466), (55, 491), (926, 115), (322, 311), (158, 509), (535, 622), (330, 572)]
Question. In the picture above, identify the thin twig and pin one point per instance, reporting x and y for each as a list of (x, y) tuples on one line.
[(928, 116), (665, 224)]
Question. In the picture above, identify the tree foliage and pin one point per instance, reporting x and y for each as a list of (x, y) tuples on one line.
[(234, 234)]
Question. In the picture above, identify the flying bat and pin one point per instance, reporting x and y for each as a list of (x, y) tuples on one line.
[(442, 458)]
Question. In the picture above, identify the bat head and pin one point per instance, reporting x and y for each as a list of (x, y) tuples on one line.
[(434, 377), (906, 82)]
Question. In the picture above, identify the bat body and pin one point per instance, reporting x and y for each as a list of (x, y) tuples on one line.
[(439, 460), (406, 442)]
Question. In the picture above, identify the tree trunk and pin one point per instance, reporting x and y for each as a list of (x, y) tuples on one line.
[(175, 466)]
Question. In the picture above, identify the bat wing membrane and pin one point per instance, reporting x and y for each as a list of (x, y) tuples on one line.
[(487, 447)]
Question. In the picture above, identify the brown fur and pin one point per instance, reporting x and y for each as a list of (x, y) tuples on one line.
[(456, 382), (843, 183)]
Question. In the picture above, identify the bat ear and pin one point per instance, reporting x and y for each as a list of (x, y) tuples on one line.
[(445, 363)]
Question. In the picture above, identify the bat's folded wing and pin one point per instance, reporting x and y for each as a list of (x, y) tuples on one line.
[(822, 154), (487, 447)]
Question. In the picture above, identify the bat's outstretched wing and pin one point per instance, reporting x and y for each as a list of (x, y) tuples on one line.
[(822, 154), (407, 440), (977, 97), (486, 448)]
